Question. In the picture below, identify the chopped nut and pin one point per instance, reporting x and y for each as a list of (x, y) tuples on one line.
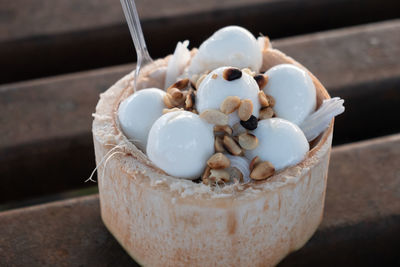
[(245, 109), (214, 116), (214, 76), (167, 101), (254, 162), (170, 89), (181, 84), (219, 176), (271, 100), (249, 72), (190, 99), (200, 80), (168, 110), (230, 104), (236, 138), (231, 74), (238, 129), (175, 97), (218, 161), (248, 141), (262, 171), (231, 146), (266, 113), (206, 175), (261, 80), (263, 99), (250, 124), (175, 93), (223, 129), (181, 101), (194, 111), (219, 145)]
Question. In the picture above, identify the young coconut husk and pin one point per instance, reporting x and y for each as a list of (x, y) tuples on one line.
[(162, 220)]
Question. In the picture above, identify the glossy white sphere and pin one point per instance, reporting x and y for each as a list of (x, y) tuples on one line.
[(229, 46), (138, 112), (293, 90), (213, 91), (180, 143), (280, 142)]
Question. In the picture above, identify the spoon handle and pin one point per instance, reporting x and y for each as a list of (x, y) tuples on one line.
[(135, 29)]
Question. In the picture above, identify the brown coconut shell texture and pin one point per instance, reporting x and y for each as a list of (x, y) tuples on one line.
[(162, 220)]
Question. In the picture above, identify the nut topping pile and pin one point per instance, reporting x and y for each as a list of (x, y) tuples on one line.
[(182, 96)]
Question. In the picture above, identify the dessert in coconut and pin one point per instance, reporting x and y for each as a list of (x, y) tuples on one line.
[(203, 184)]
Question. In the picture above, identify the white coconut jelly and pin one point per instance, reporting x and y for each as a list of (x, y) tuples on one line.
[(220, 120)]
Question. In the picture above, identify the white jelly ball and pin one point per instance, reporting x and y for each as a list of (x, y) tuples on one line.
[(180, 143), (229, 46), (293, 90), (138, 112), (280, 142), (213, 91)]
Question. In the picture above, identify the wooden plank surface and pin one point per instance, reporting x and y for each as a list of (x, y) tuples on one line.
[(47, 37), (49, 133), (49, 148), (361, 224)]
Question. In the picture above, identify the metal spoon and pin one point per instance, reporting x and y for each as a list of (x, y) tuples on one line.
[(132, 18)]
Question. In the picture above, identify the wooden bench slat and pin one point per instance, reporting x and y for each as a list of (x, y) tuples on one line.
[(68, 233), (47, 37), (361, 224), (22, 19), (51, 118)]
